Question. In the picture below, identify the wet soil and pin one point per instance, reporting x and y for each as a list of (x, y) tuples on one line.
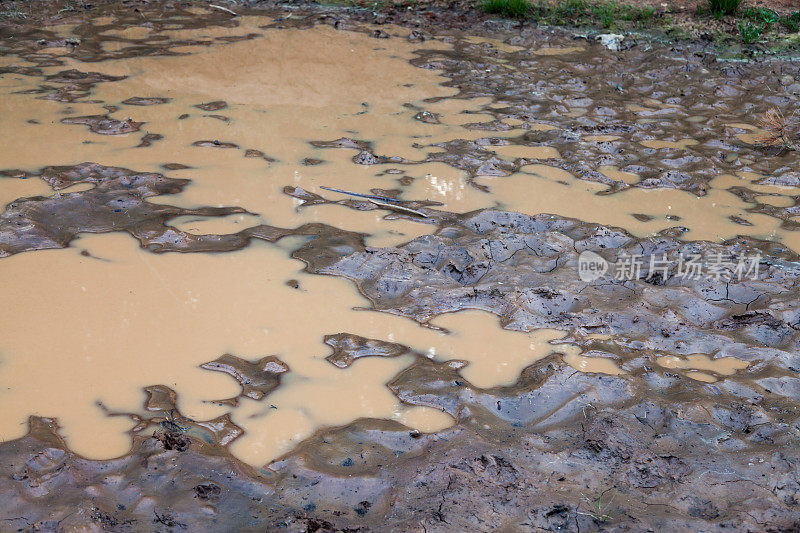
[(679, 443)]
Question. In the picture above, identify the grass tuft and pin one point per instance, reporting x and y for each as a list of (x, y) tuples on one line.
[(749, 31), (791, 22), (720, 8), (599, 509), (582, 12), (515, 9), (780, 133)]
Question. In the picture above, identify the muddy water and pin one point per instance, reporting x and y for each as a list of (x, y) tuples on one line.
[(170, 313), (106, 308), (102, 319)]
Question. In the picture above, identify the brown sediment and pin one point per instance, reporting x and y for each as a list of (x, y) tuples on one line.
[(489, 367)]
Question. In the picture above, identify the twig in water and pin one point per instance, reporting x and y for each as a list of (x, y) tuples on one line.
[(225, 9), (382, 201), (398, 207), (358, 194)]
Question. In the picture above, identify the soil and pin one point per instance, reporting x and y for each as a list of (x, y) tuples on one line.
[(650, 449)]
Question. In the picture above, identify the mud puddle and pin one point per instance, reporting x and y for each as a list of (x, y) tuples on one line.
[(185, 272), (174, 314)]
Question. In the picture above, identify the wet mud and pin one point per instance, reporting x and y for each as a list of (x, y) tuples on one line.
[(201, 332)]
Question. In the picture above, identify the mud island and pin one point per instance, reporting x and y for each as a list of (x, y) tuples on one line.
[(467, 266)]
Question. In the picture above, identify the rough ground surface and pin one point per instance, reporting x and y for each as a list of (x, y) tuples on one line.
[(559, 450)]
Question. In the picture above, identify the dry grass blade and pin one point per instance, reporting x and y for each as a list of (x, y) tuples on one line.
[(779, 132)]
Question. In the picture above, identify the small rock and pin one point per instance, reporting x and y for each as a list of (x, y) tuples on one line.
[(612, 41), (427, 117), (416, 36)]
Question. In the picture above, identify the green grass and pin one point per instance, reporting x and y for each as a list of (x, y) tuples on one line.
[(582, 12), (769, 18), (515, 9), (750, 31), (598, 509), (753, 23), (761, 15), (755, 20), (720, 8), (791, 22)]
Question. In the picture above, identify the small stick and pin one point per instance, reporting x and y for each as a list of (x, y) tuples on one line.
[(397, 207), (225, 9), (383, 201), (373, 196)]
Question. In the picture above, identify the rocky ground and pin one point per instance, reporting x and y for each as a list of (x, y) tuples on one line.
[(648, 450)]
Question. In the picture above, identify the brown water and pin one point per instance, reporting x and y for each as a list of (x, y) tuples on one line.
[(78, 328)]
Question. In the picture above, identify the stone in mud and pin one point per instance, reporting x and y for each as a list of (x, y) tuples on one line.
[(366, 158), (612, 41), (427, 117), (416, 36), (207, 491), (173, 440)]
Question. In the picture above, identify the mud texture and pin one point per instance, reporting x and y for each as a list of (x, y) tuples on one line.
[(663, 449), (650, 449)]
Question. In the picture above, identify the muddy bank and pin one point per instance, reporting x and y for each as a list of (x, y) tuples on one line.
[(662, 448), (671, 403), (690, 463), (764, 28)]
